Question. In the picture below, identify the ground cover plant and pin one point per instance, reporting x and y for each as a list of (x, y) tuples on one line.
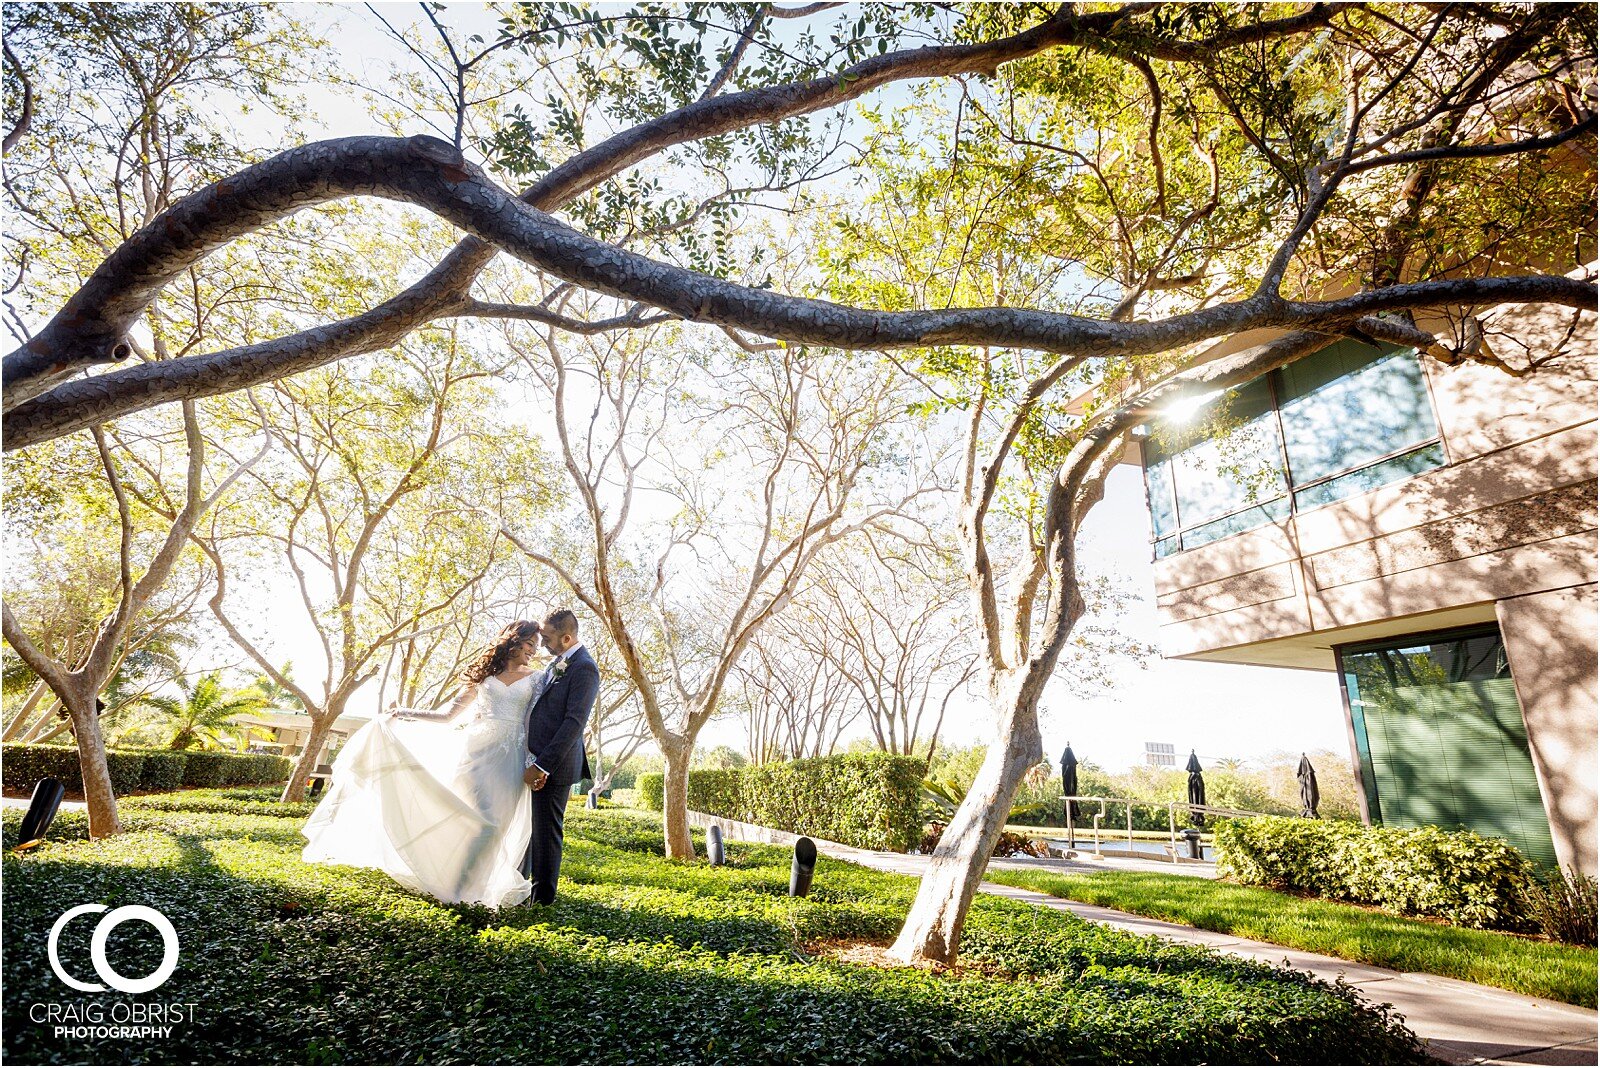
[(640, 960), (1543, 969)]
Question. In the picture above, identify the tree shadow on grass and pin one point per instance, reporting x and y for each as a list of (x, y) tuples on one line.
[(318, 964)]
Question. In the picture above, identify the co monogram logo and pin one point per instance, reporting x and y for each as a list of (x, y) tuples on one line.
[(97, 948)]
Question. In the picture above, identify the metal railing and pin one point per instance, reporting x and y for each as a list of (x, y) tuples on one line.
[(1128, 803)]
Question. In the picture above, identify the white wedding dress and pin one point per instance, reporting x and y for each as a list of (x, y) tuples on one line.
[(440, 806)]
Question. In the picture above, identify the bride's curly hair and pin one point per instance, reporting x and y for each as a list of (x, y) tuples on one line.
[(493, 660)]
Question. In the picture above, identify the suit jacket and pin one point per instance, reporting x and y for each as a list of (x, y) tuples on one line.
[(556, 719)]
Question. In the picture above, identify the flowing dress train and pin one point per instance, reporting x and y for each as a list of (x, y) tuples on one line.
[(440, 806)]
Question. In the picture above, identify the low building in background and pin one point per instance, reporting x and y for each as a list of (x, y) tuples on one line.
[(1427, 532), (286, 733)]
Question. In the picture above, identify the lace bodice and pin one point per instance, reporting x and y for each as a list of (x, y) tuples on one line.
[(501, 703)]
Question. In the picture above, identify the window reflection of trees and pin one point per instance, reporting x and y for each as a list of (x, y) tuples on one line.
[(1345, 420)]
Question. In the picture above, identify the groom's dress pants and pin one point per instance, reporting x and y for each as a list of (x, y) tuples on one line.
[(542, 864)]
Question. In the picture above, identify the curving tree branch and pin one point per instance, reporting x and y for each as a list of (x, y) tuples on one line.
[(430, 173), (93, 333)]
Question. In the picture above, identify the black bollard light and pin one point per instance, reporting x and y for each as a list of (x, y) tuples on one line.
[(805, 866), (1191, 835), (714, 851), (47, 794)]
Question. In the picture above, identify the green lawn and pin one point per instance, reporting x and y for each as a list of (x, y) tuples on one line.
[(640, 960), (1543, 969)]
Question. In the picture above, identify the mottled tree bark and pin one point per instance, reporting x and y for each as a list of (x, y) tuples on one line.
[(675, 799)]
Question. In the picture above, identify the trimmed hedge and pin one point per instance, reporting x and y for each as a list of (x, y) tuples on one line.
[(163, 770), (869, 800), (717, 791), (142, 769), (652, 786), (1460, 876)]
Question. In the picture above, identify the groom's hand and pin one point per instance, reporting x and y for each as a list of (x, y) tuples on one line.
[(534, 778)]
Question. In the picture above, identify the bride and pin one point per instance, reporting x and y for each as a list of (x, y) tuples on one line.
[(439, 802)]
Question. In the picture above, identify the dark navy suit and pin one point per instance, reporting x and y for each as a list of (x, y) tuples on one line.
[(556, 717)]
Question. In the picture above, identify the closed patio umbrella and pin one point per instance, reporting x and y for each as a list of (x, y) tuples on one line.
[(1069, 786), (1310, 796), (1197, 787)]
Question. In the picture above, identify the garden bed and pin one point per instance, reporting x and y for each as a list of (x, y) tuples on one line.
[(639, 960)]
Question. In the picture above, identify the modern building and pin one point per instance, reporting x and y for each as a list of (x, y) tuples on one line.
[(1425, 532)]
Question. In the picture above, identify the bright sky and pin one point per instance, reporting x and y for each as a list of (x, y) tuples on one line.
[(1219, 710)]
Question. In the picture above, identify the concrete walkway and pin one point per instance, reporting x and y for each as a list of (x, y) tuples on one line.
[(1462, 1023), (23, 802)]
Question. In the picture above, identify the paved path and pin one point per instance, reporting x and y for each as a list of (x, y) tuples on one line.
[(22, 802), (1463, 1023)]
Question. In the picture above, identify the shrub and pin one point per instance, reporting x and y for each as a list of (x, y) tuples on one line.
[(238, 801), (124, 769), (256, 769), (652, 785), (1007, 845), (869, 800), (638, 961), (717, 791), (25, 765), (163, 770), (205, 768), (1563, 906), (21, 766), (143, 769), (1460, 876)]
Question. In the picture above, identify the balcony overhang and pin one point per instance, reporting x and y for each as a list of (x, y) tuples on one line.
[(1313, 650)]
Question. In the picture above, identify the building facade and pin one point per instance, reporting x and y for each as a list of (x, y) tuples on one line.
[(1425, 533)]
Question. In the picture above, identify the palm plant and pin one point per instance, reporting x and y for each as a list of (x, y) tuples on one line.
[(204, 709), (272, 694), (942, 796)]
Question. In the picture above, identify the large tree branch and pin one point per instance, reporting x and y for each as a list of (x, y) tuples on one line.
[(428, 172), (25, 119), (92, 328)]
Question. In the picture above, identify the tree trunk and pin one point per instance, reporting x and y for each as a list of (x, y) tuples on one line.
[(45, 725), (321, 724), (932, 929), (51, 726), (23, 718), (97, 790), (675, 801)]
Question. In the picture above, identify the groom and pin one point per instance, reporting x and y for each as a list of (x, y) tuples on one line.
[(557, 713)]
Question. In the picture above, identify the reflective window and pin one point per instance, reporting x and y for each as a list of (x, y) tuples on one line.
[(1441, 738), (1349, 406), (1332, 425), (1214, 472)]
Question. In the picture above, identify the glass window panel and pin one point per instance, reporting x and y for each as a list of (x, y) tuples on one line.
[(1158, 483), (1357, 482), (1258, 516), (1226, 457), (1349, 405), (1441, 738)]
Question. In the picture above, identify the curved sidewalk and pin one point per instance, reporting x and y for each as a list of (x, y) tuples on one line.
[(1463, 1023)]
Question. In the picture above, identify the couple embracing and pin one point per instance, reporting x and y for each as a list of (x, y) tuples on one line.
[(466, 804)]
